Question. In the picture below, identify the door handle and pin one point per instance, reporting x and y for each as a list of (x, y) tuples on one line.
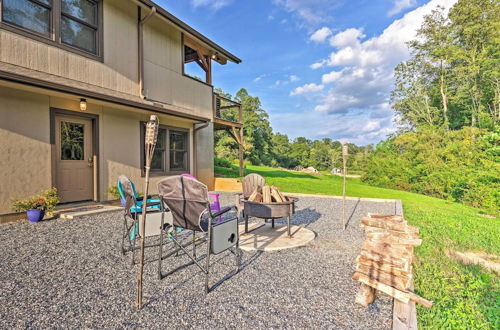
[(90, 162)]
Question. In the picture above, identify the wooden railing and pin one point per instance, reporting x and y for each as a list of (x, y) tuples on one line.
[(227, 110)]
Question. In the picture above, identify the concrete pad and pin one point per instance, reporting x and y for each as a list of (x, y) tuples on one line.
[(228, 185), (74, 213), (263, 237)]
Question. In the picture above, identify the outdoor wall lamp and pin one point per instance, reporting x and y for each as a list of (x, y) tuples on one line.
[(83, 104)]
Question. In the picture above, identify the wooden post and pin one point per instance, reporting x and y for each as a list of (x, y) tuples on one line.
[(345, 150), (242, 162), (150, 142)]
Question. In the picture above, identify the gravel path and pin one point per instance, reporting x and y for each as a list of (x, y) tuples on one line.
[(71, 274)]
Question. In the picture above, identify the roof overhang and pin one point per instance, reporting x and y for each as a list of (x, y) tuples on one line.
[(192, 33)]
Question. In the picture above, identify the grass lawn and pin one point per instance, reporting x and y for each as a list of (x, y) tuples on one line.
[(465, 297)]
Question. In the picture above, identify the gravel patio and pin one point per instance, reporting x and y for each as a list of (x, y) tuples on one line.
[(71, 274)]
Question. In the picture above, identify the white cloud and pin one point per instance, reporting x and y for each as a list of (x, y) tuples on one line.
[(259, 78), (331, 77), (349, 37), (306, 89), (353, 104), (213, 4), (321, 35), (310, 12), (400, 5), (294, 78)]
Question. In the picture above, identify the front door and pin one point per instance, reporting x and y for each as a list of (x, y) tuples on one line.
[(74, 155)]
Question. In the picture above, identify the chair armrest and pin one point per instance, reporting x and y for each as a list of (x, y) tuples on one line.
[(221, 212), (152, 204)]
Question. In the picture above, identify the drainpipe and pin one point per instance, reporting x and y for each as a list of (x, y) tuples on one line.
[(195, 130), (142, 22)]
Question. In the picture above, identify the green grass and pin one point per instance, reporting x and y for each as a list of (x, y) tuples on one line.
[(465, 297)]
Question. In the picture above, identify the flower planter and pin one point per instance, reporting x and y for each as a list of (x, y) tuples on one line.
[(35, 215)]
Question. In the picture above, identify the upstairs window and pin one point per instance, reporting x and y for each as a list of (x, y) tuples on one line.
[(73, 23), (79, 24), (33, 15)]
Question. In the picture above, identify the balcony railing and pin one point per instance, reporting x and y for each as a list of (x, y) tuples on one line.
[(227, 112)]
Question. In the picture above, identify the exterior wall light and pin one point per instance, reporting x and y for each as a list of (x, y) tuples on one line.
[(83, 104)]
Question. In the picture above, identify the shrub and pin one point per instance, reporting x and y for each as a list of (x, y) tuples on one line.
[(222, 162), (45, 201), (461, 165)]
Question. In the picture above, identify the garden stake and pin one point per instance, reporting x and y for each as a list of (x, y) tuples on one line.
[(150, 143), (345, 150)]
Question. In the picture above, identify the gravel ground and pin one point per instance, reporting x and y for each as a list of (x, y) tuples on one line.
[(71, 274)]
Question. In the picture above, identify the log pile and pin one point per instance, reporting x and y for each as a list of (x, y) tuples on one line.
[(385, 260), (267, 194)]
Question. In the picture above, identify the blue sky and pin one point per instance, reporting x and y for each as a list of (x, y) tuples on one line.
[(321, 68)]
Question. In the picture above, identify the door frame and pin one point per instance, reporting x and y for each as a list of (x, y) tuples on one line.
[(95, 146)]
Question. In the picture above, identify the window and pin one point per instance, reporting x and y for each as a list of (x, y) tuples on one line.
[(73, 23), (79, 24), (171, 155), (34, 15)]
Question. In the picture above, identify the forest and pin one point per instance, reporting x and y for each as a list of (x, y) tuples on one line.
[(446, 99)]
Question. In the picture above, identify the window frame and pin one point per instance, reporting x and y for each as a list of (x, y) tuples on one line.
[(54, 38), (166, 161)]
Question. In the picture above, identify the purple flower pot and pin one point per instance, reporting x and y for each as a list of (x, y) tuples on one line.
[(35, 215)]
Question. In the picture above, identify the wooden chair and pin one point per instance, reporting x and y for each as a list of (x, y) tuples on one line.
[(249, 183)]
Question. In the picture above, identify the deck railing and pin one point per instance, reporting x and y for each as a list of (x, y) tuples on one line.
[(227, 110)]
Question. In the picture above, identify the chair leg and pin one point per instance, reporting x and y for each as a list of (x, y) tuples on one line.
[(272, 222), (207, 271), (194, 244)]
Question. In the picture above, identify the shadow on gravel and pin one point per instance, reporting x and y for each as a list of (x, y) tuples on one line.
[(352, 213)]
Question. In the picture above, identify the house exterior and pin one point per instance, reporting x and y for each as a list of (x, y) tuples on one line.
[(78, 80)]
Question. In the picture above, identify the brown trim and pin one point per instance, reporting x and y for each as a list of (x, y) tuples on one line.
[(55, 31), (95, 142), (13, 77), (183, 26), (167, 171)]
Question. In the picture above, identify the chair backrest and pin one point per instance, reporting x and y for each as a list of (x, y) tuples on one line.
[(127, 191), (187, 200), (250, 182)]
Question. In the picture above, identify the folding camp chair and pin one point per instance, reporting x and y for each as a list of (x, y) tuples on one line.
[(132, 214), (187, 200), (215, 203)]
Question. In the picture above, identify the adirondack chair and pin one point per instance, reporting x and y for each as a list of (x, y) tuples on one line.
[(249, 183)]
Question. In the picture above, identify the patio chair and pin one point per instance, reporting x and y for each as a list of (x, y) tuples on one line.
[(132, 213), (249, 183), (187, 200), (215, 204)]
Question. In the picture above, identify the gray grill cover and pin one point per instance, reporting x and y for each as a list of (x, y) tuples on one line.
[(188, 201)]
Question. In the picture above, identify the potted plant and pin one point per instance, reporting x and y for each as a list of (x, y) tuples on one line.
[(113, 190), (38, 205)]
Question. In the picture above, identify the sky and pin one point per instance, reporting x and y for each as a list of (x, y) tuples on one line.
[(321, 68)]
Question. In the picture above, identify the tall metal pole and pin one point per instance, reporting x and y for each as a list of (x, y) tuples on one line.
[(150, 143), (345, 151)]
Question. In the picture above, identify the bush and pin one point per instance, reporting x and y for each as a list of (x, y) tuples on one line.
[(45, 201), (222, 162), (113, 190), (461, 165)]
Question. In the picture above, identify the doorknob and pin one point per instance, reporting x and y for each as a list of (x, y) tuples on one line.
[(90, 162)]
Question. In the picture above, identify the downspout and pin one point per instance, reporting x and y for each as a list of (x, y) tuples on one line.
[(142, 22), (195, 158)]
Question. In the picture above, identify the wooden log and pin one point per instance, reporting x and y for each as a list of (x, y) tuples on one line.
[(399, 263), (422, 301), (387, 289), (275, 195), (384, 266), (402, 281), (386, 237), (372, 268), (397, 282), (253, 196), (379, 223), (266, 194), (283, 197), (384, 248), (388, 217), (375, 230), (365, 295)]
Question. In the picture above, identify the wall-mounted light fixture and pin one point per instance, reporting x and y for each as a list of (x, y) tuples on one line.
[(83, 104)]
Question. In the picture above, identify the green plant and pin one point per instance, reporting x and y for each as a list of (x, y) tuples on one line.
[(113, 190), (45, 201), (222, 162)]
